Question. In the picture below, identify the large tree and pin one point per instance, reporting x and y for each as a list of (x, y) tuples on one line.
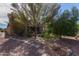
[(67, 23), (34, 14)]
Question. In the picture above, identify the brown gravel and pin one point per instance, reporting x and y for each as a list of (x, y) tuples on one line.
[(32, 47)]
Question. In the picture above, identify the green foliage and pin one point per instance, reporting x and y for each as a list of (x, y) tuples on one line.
[(18, 28), (67, 23), (32, 14), (78, 27), (64, 27), (48, 29)]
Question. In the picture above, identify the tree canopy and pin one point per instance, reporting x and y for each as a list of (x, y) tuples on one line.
[(67, 23)]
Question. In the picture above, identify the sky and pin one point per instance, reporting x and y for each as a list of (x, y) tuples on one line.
[(5, 8), (65, 6)]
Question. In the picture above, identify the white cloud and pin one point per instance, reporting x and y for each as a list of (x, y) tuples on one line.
[(4, 10)]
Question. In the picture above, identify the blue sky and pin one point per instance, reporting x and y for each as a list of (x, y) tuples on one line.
[(5, 8), (65, 6)]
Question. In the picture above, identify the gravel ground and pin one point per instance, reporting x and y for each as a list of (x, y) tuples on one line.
[(31, 47)]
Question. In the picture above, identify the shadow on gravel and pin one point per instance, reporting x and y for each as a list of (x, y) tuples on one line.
[(9, 45), (71, 44), (31, 48), (34, 47)]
